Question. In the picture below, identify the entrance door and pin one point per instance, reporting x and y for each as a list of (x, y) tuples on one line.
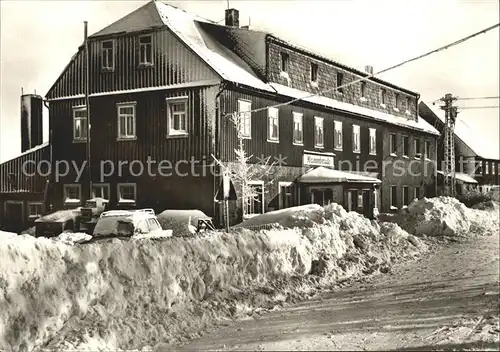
[(367, 207), (322, 196), (352, 200), (14, 216)]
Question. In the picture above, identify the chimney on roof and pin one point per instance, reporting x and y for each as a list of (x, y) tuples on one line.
[(232, 18), (369, 69), (31, 121)]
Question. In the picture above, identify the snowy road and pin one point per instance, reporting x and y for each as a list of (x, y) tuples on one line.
[(446, 300)]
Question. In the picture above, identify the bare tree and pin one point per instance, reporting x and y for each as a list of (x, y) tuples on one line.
[(243, 171)]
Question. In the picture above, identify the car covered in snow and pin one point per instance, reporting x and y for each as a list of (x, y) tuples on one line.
[(185, 223), (128, 224), (53, 224)]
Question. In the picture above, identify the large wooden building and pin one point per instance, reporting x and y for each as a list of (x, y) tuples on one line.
[(162, 83)]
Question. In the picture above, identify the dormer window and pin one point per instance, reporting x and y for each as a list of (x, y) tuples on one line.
[(340, 81), (145, 50), (382, 96), (398, 102), (314, 72), (108, 55), (363, 89), (284, 62), (408, 102)]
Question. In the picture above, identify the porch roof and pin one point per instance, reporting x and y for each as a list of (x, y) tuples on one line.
[(460, 176), (325, 175)]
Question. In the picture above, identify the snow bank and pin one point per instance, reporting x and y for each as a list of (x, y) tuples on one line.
[(445, 216), (129, 294), (7, 235)]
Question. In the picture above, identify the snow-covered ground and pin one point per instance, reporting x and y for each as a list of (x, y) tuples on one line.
[(135, 294)]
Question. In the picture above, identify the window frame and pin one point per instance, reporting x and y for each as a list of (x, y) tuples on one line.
[(356, 137), (113, 51), (318, 119), (486, 167), (397, 101), (393, 193), (393, 143), (405, 146), (406, 195), (74, 110), (372, 151), (31, 203), (141, 45), (101, 185), (284, 62), (65, 193), (270, 118), (362, 90), (339, 82), (119, 116), (416, 192), (280, 193), (383, 97), (427, 149), (314, 72), (295, 116), (338, 146), (172, 132), (119, 198), (408, 100), (244, 117), (417, 155)]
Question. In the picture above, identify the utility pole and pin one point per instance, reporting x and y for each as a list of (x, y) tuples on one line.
[(449, 144), (87, 105)]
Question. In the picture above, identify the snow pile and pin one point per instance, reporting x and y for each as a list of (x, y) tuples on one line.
[(446, 217), (304, 215), (73, 237), (129, 294), (182, 222), (7, 235)]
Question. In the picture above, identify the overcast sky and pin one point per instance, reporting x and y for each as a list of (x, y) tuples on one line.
[(38, 39)]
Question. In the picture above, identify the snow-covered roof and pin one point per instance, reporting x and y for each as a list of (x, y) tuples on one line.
[(43, 145), (471, 137), (462, 177), (325, 175), (421, 124)]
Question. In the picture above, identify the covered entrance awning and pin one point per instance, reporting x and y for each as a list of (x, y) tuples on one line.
[(460, 176), (326, 175)]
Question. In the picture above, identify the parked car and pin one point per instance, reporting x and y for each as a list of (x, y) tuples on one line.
[(185, 223), (128, 224)]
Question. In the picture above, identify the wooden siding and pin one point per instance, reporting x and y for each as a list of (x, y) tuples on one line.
[(258, 144), (14, 180), (173, 63), (299, 67), (151, 128)]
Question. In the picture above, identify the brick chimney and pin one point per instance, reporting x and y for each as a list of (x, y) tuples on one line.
[(369, 69), (31, 121), (232, 18)]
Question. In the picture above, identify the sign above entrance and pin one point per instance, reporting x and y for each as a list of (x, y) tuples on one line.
[(327, 160)]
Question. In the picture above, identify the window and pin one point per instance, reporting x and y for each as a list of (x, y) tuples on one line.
[(284, 62), (72, 194), (405, 146), (126, 192), (486, 168), (340, 81), (356, 148), (145, 50), (108, 55), (273, 133), (398, 102), (285, 195), (126, 120), (338, 135), (373, 141), (245, 115), (416, 146), (427, 149), (393, 196), (177, 111), (256, 202), (314, 72), (406, 195), (35, 209), (100, 190), (416, 194), (319, 137), (382, 96), (363, 89), (80, 127), (153, 225), (298, 131), (408, 101), (393, 147), (494, 168), (321, 196)]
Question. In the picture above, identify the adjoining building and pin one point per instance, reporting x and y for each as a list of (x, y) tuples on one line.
[(162, 85), (477, 165)]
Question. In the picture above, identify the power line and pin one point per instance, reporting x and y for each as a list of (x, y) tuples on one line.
[(480, 107), (376, 73), (478, 98)]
